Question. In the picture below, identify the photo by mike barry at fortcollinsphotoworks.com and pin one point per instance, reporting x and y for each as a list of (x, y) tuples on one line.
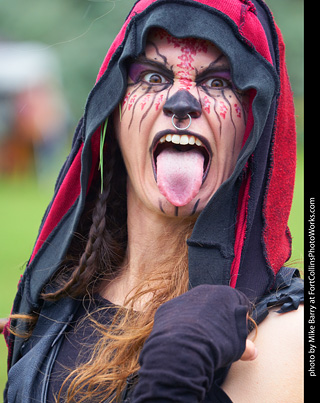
[(310, 277)]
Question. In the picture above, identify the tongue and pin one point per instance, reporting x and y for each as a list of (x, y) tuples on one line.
[(179, 175)]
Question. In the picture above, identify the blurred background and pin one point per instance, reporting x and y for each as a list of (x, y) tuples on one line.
[(50, 54)]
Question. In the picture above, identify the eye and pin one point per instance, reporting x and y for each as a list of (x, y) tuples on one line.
[(216, 82), (154, 78)]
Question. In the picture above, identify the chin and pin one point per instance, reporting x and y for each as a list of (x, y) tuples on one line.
[(191, 209)]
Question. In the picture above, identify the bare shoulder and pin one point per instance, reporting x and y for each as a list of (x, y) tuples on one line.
[(276, 375)]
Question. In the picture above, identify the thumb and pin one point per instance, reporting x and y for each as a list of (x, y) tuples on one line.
[(250, 353)]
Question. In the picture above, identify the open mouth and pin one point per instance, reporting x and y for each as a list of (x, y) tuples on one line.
[(181, 162), (181, 143)]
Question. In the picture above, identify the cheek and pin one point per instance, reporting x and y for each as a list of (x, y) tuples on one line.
[(145, 101), (237, 110), (133, 120), (150, 103), (223, 110), (131, 157), (139, 107), (207, 104), (227, 118), (125, 100), (131, 101), (159, 102)]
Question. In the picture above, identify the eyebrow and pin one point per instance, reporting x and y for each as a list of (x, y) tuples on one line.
[(214, 67), (143, 60)]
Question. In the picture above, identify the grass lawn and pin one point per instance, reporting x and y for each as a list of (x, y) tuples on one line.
[(22, 205)]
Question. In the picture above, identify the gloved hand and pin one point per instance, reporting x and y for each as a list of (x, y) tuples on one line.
[(193, 335)]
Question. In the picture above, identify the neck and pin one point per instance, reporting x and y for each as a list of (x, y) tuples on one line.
[(153, 240)]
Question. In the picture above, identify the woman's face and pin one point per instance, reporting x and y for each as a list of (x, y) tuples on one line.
[(181, 124)]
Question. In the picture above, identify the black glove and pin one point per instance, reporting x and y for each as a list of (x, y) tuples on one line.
[(193, 335)]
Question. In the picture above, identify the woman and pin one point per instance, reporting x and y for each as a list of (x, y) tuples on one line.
[(167, 233)]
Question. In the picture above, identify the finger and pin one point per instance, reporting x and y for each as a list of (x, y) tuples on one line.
[(250, 353)]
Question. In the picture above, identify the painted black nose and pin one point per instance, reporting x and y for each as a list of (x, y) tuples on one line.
[(181, 104)]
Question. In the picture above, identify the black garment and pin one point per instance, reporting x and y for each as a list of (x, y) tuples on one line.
[(193, 336), (79, 339), (81, 335)]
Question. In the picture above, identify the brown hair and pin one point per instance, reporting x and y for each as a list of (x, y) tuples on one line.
[(115, 357)]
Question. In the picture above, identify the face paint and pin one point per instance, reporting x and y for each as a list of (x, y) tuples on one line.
[(131, 103), (190, 48), (171, 68), (144, 101), (223, 109), (206, 104), (238, 110), (158, 102)]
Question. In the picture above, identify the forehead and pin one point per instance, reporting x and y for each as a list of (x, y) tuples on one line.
[(162, 46)]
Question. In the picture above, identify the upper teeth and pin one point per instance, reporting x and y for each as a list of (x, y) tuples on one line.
[(183, 139)]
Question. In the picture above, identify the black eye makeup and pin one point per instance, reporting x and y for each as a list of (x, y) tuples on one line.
[(154, 78), (150, 72), (157, 76), (216, 83), (219, 78)]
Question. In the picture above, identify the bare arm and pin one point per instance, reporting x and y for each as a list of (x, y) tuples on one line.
[(276, 375)]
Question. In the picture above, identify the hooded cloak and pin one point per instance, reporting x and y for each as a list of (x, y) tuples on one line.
[(241, 238)]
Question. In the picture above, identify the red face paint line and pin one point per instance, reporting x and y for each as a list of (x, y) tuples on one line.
[(206, 104), (131, 102), (159, 102), (223, 109), (190, 48), (125, 100), (238, 110), (144, 101)]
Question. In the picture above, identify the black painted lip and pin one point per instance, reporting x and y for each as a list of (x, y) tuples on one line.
[(162, 133)]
